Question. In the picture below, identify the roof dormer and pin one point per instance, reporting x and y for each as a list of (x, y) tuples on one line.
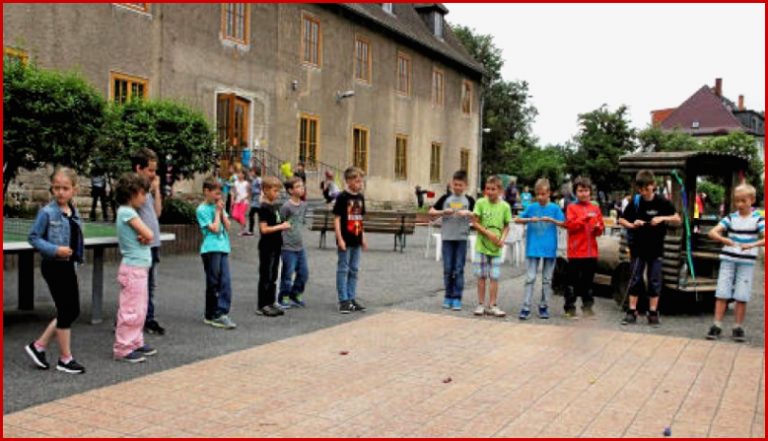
[(433, 15)]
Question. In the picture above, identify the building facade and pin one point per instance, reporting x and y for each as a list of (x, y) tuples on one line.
[(386, 87)]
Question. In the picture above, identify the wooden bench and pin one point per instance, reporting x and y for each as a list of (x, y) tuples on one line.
[(398, 223)]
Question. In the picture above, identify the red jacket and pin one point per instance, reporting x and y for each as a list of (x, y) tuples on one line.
[(584, 223)]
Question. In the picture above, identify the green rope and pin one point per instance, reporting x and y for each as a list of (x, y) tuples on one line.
[(684, 197)]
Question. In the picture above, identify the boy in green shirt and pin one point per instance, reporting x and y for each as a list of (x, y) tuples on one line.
[(491, 218)]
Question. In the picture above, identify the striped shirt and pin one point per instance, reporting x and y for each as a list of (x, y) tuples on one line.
[(742, 230)]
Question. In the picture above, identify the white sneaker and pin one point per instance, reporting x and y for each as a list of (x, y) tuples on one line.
[(479, 310), (496, 311)]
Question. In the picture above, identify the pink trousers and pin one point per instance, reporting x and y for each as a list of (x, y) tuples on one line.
[(132, 309)]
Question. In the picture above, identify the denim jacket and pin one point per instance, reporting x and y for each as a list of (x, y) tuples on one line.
[(51, 231)]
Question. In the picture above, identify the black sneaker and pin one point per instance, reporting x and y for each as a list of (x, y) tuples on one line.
[(153, 327), (630, 318), (357, 306), (38, 357), (738, 335), (146, 350), (72, 367), (269, 311), (714, 332), (653, 319), (346, 307)]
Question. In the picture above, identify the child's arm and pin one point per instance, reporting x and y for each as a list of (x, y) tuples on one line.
[(504, 235), (225, 219), (572, 220), (337, 230), (144, 232), (673, 220), (716, 235), (36, 239), (758, 243), (599, 224), (265, 229)]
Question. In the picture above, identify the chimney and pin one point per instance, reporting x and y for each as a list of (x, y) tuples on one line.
[(741, 102), (719, 87)]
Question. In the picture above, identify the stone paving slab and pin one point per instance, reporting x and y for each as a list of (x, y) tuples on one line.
[(403, 373)]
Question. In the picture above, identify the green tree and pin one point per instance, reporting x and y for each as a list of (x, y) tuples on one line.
[(49, 118), (653, 139)]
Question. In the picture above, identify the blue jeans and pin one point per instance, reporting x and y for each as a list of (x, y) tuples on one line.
[(454, 258), (293, 262), (152, 282), (547, 268), (218, 290), (346, 272)]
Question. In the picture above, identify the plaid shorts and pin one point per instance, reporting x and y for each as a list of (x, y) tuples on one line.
[(487, 267)]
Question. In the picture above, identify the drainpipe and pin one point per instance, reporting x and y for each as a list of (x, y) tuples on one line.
[(480, 144)]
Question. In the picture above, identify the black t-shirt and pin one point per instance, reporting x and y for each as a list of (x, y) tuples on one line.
[(351, 209), (271, 215), (648, 241), (74, 237)]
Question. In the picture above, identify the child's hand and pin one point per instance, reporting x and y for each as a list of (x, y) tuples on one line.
[(465, 213), (729, 242), (220, 204), (638, 223), (365, 244), (285, 226), (536, 219), (448, 212), (63, 252), (143, 240), (747, 246), (342, 245), (657, 220)]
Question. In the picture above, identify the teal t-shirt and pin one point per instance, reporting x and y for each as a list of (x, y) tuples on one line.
[(541, 237), (494, 217), (212, 242), (134, 253)]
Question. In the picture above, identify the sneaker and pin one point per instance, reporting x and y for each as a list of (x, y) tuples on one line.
[(270, 311), (153, 327), (479, 310), (247, 233), (146, 350), (497, 312), (223, 322), (357, 306), (447, 303), (653, 319), (283, 303), (738, 335), (714, 332), (630, 318), (345, 307), (72, 367), (133, 357), (571, 314), (543, 312), (456, 306), (297, 301), (38, 357), (525, 314), (587, 311)]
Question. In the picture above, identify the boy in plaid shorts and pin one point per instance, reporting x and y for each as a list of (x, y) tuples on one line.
[(491, 218)]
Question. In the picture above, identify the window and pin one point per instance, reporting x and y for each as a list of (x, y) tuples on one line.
[(16, 54), (232, 120), (403, 74), (401, 157), (141, 7), (388, 7), (438, 25), (124, 87), (360, 148), (235, 19), (309, 134), (464, 160), (362, 60), (438, 87), (310, 40), (434, 163), (466, 97)]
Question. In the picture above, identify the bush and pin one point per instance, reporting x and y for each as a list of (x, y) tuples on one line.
[(178, 212)]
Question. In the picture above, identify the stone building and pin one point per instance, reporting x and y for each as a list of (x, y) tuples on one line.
[(384, 86)]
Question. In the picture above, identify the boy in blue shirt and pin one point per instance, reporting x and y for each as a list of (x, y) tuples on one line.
[(542, 219)]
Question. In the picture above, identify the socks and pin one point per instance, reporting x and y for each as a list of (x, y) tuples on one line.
[(66, 360), (39, 347), (719, 324)]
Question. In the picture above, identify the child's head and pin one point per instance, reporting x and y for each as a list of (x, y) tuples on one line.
[(493, 187), (526, 189), (354, 178), (542, 191), (131, 189), (645, 182), (255, 172), (300, 167), (295, 187), (744, 197), (459, 182), (583, 187), (241, 174), (63, 185), (212, 190), (144, 163), (270, 188)]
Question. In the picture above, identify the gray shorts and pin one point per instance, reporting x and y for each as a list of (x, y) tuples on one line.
[(735, 281)]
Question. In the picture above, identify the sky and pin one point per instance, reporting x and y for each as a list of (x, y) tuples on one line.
[(576, 58)]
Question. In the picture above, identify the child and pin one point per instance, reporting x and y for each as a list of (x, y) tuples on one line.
[(134, 237), (294, 256), (242, 189), (144, 163), (737, 259), (329, 188), (456, 209), (491, 220), (349, 211), (214, 222), (255, 198), (526, 197), (58, 235), (647, 218), (271, 225), (542, 219), (584, 223)]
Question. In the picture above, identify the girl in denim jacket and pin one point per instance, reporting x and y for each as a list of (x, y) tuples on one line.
[(58, 235)]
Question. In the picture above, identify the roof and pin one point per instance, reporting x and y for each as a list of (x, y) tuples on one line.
[(708, 110), (704, 162), (406, 23), (658, 116)]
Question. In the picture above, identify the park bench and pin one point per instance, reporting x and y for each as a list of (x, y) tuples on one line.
[(398, 223)]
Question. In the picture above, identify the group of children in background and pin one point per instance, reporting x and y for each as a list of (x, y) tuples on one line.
[(57, 234)]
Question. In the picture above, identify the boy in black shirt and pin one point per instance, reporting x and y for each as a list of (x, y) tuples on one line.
[(647, 216), (348, 224), (271, 226)]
